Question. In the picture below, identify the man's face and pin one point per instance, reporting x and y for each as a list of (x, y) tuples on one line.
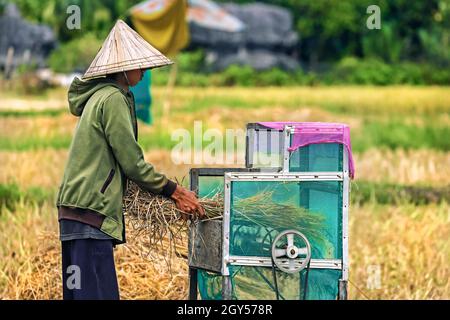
[(134, 76)]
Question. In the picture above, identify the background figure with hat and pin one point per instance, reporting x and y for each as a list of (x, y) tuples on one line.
[(103, 155)]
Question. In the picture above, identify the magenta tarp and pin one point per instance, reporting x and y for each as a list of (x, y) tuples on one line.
[(306, 133)]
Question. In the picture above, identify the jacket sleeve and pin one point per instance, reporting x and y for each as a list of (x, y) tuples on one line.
[(118, 128)]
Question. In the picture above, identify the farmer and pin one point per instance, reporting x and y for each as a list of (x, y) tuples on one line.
[(104, 153)]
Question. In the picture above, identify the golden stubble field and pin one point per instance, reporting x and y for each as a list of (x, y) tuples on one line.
[(407, 243)]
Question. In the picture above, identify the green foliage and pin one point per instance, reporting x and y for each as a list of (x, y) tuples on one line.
[(242, 75), (76, 54), (352, 70), (436, 45), (349, 70), (160, 76), (11, 194), (274, 77), (34, 142), (191, 61), (234, 75), (32, 113), (38, 195), (373, 133), (374, 71), (329, 30), (388, 193), (434, 75), (97, 16), (384, 44), (396, 134), (332, 30), (414, 36), (24, 69), (194, 79), (160, 139)]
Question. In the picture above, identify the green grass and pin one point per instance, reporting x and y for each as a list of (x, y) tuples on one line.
[(390, 117), (395, 134), (372, 134), (229, 102), (363, 192), (351, 100), (11, 194), (32, 113), (157, 140), (34, 143)]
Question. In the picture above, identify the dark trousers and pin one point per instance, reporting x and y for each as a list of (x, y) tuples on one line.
[(88, 270)]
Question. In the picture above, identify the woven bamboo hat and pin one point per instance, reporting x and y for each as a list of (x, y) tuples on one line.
[(123, 50)]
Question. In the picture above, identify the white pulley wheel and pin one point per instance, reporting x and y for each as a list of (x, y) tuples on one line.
[(287, 256)]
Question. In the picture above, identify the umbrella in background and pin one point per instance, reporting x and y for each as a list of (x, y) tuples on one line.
[(208, 14), (164, 24)]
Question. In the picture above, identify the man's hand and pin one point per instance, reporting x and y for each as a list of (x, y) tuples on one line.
[(187, 201)]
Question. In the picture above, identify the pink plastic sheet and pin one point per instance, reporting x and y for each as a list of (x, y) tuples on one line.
[(306, 133)]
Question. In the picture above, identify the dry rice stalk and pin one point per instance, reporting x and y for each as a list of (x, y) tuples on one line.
[(157, 221), (155, 218), (262, 211)]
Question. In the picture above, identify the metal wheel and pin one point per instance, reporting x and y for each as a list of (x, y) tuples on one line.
[(287, 256)]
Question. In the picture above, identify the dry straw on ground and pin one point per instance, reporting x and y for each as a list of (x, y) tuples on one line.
[(39, 277), (409, 245)]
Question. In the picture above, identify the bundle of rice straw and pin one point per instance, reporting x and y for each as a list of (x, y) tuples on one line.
[(157, 219)]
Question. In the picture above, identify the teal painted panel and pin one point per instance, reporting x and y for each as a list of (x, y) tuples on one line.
[(143, 98), (258, 283), (208, 186), (317, 158), (260, 210)]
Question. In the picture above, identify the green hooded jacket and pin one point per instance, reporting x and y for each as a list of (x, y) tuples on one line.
[(104, 153)]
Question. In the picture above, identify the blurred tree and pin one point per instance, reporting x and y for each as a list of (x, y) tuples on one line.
[(75, 55), (384, 44), (329, 30), (97, 16), (436, 40), (332, 30)]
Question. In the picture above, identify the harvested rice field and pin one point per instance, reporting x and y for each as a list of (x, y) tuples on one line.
[(399, 212)]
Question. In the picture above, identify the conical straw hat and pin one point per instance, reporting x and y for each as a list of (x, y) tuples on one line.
[(124, 49)]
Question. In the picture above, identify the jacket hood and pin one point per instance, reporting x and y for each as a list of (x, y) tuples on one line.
[(80, 92)]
